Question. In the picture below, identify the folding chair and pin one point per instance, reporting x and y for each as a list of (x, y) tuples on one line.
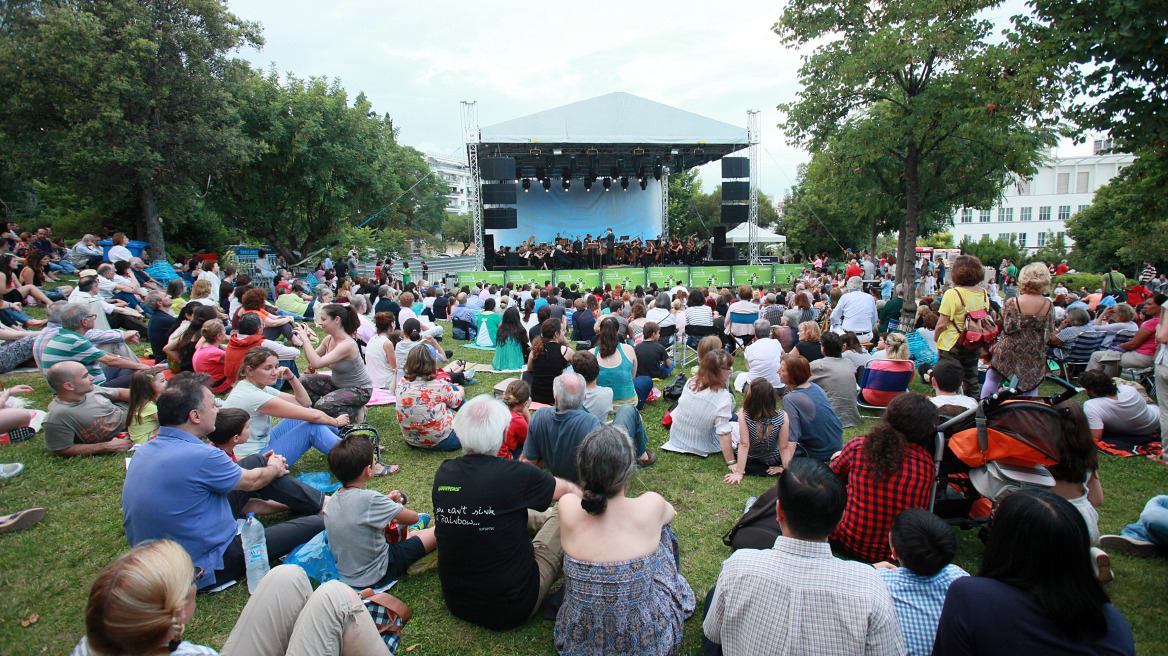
[(891, 382), (746, 319), (1078, 352), (1121, 337), (689, 345)]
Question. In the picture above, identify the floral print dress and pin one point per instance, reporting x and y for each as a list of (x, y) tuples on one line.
[(423, 410), (1021, 349)]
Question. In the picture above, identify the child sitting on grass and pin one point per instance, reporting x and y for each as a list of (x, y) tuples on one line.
[(356, 517), (145, 386), (232, 428), (518, 400), (924, 545)]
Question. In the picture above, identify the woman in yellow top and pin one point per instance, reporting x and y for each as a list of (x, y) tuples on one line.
[(966, 296)]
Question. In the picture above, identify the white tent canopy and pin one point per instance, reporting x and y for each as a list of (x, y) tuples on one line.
[(741, 235)]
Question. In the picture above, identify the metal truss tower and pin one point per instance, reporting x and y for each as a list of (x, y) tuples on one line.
[(665, 202), (470, 128), (753, 137)]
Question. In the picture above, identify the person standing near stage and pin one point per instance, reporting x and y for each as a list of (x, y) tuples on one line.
[(609, 247)]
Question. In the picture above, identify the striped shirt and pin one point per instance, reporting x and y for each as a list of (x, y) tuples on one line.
[(918, 601), (796, 599), (95, 336), (68, 346)]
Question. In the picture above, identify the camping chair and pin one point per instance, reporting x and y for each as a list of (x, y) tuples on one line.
[(465, 326), (1078, 353), (689, 346), (747, 319), (883, 381), (1121, 337), (1143, 376)]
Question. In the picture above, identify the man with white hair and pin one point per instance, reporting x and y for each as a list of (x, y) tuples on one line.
[(763, 357), (486, 510), (366, 331), (555, 433), (855, 312)]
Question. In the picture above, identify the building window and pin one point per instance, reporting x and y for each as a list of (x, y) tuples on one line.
[(1044, 213), (1064, 183), (1023, 187), (1024, 213), (1009, 213), (1061, 235), (1082, 181), (1064, 212), (1003, 236), (967, 215), (984, 216), (1041, 239), (1022, 240), (1001, 214), (1083, 207)]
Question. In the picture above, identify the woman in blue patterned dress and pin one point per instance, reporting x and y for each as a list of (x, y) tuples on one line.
[(623, 591)]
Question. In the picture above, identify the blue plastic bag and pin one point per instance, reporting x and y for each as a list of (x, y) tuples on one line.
[(315, 558), (322, 481)]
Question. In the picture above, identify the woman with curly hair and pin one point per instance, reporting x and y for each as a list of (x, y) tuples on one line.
[(886, 471)]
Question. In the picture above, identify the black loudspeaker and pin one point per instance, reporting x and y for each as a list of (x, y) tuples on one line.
[(499, 193), (513, 260), (488, 242), (497, 168), (733, 167), (735, 213), (726, 253), (730, 190), (719, 236), (500, 218)]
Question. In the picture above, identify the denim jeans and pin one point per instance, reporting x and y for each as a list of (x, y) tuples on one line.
[(629, 418), (130, 299), (286, 313), (644, 385), (1153, 523), (292, 437), (64, 266), (10, 317)]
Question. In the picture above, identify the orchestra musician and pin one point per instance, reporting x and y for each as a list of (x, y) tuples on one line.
[(609, 246)]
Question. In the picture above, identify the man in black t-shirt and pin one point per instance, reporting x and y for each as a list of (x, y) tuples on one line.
[(652, 362), (486, 510)]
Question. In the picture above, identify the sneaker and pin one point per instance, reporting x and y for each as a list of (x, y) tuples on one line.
[(1103, 567), (650, 459), (429, 561), (1129, 546), (423, 522), (10, 470)]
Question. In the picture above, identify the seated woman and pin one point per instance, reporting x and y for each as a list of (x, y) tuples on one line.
[(12, 289), (1139, 351), (201, 291), (275, 326), (854, 351), (886, 471), (584, 321), (637, 322), (1077, 477), (488, 324), (808, 344), (764, 437), (814, 427), (16, 347), (623, 592), (348, 388), (380, 352), (33, 274), (618, 364), (208, 356), (412, 334), (424, 404), (302, 426), (548, 359), (799, 311), (837, 377), (1036, 593), (1114, 320), (896, 358), (704, 411), (141, 603), (182, 345), (511, 348)]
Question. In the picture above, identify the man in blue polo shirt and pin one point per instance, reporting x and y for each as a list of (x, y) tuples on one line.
[(180, 488)]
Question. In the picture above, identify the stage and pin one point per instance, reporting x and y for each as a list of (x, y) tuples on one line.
[(712, 273)]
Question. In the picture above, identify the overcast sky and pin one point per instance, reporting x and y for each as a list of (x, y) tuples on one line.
[(416, 61)]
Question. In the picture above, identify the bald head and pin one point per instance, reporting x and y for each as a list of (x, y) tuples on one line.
[(65, 373)]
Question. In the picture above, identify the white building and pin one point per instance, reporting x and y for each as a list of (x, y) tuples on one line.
[(456, 174), (1036, 210)]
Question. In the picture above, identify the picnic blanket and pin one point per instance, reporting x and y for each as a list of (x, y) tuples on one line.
[(381, 396), (472, 345)]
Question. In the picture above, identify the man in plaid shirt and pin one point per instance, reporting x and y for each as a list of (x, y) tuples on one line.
[(797, 598)]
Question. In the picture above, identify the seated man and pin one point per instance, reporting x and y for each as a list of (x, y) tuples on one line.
[(947, 375), (296, 301), (84, 419), (68, 344), (111, 287), (1117, 411), (105, 340), (180, 488), (162, 323), (114, 314), (598, 402), (797, 598), (554, 433), (763, 357), (249, 335), (653, 362), (486, 509)]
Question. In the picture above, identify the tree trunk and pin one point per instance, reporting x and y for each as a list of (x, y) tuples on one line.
[(907, 261), (149, 209), (872, 239)]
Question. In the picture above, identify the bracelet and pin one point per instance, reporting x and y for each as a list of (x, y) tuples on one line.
[(731, 463)]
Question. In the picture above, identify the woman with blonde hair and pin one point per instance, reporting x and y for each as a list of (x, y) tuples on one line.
[(808, 344), (1027, 326), (897, 359), (141, 603)]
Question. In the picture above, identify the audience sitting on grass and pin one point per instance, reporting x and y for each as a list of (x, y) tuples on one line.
[(548, 359), (704, 411), (808, 345), (69, 344), (517, 397), (184, 341), (83, 419), (246, 337), (425, 404), (180, 488), (946, 378), (1117, 412), (763, 435), (555, 433), (357, 518), (511, 343), (653, 362), (813, 426), (110, 314), (617, 362), (837, 377), (209, 353), (924, 546), (797, 597), (162, 323), (623, 591), (496, 566), (145, 388), (380, 352), (347, 387)]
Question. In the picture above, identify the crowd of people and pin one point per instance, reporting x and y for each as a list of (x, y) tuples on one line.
[(217, 411)]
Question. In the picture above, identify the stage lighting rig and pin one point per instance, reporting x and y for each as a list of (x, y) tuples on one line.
[(644, 183), (607, 183), (526, 185), (567, 184), (624, 183), (587, 184), (547, 184)]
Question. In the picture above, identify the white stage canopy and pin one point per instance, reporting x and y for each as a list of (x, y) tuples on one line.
[(741, 235)]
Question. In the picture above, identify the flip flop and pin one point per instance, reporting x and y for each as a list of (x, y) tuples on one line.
[(388, 470), (22, 519)]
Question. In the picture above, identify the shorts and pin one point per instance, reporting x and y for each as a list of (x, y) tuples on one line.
[(401, 555)]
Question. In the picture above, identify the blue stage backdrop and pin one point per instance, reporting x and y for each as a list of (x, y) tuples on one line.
[(631, 212)]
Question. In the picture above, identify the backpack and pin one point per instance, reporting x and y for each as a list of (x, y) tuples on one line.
[(758, 527), (673, 390), (980, 331)]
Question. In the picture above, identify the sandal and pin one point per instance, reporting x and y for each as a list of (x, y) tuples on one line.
[(388, 470), (22, 519), (650, 459)]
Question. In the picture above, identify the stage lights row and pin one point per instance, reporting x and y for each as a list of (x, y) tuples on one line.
[(588, 182)]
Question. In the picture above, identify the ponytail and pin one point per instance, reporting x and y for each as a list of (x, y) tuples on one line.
[(350, 322), (594, 502)]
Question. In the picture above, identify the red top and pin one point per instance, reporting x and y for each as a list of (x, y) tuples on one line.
[(515, 436), (872, 507), (1061, 269), (854, 270)]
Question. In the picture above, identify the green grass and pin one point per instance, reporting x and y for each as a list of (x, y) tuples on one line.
[(48, 568)]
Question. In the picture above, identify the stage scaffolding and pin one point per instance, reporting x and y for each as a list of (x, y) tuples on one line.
[(470, 128), (753, 137)]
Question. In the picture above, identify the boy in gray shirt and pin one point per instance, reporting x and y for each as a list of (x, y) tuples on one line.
[(356, 517)]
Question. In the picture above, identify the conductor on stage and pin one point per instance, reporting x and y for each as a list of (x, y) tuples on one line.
[(609, 247)]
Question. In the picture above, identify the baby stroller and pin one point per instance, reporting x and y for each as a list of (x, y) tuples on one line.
[(998, 447)]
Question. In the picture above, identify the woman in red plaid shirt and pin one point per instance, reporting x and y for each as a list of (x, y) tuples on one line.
[(886, 471)]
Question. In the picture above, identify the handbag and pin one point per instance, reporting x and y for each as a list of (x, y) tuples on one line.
[(758, 527), (673, 390), (389, 614)]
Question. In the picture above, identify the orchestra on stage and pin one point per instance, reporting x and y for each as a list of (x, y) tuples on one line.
[(603, 250)]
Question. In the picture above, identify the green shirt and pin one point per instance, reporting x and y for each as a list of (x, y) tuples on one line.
[(292, 303), (1011, 271), (68, 346)]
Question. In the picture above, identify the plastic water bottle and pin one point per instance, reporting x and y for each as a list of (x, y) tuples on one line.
[(255, 550), (750, 504)]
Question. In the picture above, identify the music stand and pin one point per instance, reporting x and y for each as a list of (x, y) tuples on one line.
[(624, 238)]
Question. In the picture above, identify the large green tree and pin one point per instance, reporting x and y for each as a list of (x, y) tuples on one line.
[(915, 91), (126, 102), (325, 166), (1128, 218)]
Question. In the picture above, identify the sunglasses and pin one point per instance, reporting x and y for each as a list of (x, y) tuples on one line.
[(198, 574)]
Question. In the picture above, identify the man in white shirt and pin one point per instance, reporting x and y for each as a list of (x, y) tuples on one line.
[(1117, 410), (946, 379), (763, 357), (856, 312), (797, 598), (677, 288)]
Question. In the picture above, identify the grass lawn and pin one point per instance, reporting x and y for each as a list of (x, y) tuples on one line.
[(47, 569)]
